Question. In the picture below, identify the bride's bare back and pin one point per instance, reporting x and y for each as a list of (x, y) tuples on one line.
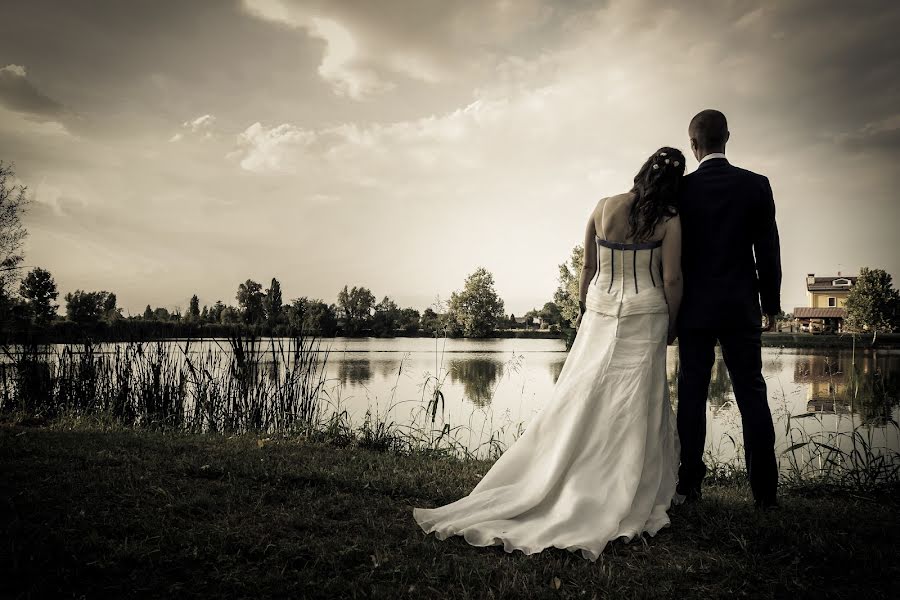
[(610, 218)]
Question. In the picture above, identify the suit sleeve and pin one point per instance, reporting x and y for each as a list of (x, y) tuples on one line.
[(767, 249)]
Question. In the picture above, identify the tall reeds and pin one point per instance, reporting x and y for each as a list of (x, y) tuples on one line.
[(249, 386)]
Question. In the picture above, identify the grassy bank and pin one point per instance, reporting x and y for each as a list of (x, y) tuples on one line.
[(89, 512)]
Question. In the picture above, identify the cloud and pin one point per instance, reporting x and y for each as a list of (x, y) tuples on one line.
[(883, 134), (202, 125), (343, 64), (279, 149), (368, 46), (17, 93)]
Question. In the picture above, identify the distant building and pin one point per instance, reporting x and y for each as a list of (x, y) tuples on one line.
[(826, 297)]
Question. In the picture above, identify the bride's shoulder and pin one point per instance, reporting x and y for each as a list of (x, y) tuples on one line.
[(671, 222), (615, 199)]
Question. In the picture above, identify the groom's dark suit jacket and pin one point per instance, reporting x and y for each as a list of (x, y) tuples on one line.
[(730, 250)]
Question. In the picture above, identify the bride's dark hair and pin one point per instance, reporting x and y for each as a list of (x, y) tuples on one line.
[(656, 192)]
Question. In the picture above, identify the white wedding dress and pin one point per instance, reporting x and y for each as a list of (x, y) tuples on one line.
[(600, 460)]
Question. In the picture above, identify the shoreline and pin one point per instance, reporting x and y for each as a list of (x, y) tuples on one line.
[(887, 341)]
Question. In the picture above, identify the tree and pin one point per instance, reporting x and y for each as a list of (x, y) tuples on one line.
[(109, 302), (109, 310), (566, 296), (386, 317), (530, 316), (409, 320), (477, 309), (230, 316), (85, 307), (204, 314), (272, 302), (873, 304), (148, 313), (13, 202), (313, 316), (161, 314), (215, 313), (193, 311), (250, 299), (551, 314), (512, 321), (430, 321), (357, 304), (39, 289)]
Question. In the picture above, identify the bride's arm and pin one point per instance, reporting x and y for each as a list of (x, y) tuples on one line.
[(671, 264), (590, 265)]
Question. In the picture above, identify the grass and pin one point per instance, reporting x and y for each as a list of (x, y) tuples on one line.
[(93, 510)]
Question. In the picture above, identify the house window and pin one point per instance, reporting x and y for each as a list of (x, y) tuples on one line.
[(832, 302), (841, 282)]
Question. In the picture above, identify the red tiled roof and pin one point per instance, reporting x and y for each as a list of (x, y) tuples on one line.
[(806, 312)]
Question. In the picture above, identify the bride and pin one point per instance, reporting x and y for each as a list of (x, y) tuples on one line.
[(600, 460)]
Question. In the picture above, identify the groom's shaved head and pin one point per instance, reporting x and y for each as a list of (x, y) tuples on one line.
[(709, 131)]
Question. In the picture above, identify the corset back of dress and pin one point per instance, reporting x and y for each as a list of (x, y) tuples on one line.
[(629, 279)]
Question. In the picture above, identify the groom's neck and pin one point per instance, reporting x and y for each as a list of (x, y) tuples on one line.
[(704, 152)]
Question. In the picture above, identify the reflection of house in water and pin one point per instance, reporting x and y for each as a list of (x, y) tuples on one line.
[(840, 383), (826, 379), (477, 376)]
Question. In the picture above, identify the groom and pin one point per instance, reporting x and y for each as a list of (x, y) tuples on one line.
[(730, 261)]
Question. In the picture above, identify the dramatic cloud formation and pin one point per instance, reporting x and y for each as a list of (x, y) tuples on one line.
[(399, 145)]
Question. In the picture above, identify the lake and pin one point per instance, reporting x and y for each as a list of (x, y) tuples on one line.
[(497, 386), (826, 403)]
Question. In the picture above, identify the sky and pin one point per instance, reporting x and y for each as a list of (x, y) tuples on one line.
[(177, 148)]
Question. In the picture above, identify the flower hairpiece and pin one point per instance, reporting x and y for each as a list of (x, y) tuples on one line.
[(655, 166)]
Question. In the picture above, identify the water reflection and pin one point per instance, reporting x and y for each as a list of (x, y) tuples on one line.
[(388, 367), (477, 376), (556, 367), (843, 382), (720, 390), (354, 370), (836, 382)]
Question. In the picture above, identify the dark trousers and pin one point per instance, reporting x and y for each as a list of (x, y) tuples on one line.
[(741, 350)]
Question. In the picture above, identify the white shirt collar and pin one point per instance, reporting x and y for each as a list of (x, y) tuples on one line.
[(711, 156)]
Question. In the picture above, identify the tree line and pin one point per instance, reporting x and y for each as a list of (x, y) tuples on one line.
[(476, 310)]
